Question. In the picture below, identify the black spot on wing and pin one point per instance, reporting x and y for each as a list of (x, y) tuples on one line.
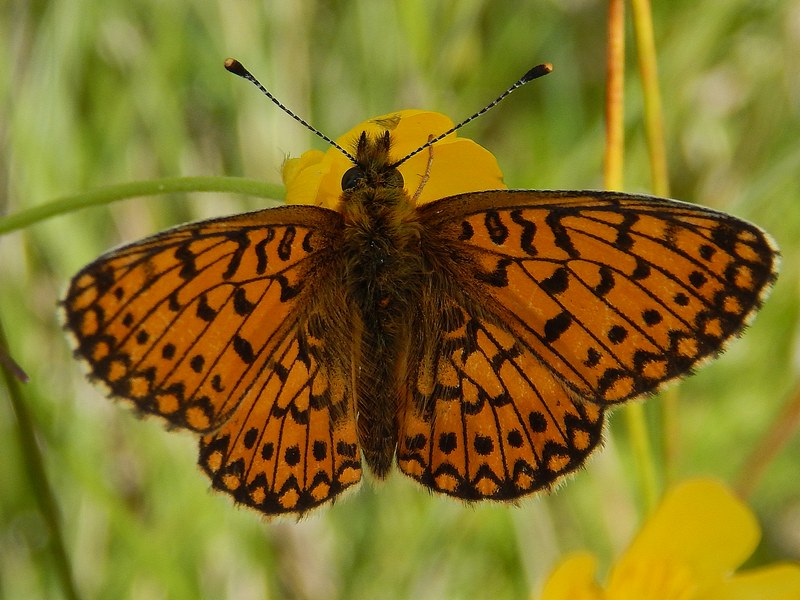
[(497, 230), (528, 232), (560, 235), (554, 328), (242, 242), (499, 276), (285, 245)]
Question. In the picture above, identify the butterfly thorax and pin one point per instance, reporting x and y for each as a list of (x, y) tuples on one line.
[(381, 232), (384, 271)]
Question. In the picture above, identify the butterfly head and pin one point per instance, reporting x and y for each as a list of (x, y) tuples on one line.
[(372, 168)]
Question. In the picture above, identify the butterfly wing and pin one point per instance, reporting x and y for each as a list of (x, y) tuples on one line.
[(565, 303), (291, 444), (216, 327), (615, 293), (483, 417)]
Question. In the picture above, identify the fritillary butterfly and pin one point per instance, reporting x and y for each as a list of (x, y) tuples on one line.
[(476, 340)]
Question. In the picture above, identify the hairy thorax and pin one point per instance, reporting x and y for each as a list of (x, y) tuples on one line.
[(384, 262)]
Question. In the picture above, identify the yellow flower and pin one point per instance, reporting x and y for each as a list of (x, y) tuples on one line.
[(687, 550), (459, 165)]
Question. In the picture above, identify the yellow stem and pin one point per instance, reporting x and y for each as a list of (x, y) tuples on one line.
[(615, 95)]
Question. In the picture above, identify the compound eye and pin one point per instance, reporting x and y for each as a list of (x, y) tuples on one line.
[(351, 178), (394, 179)]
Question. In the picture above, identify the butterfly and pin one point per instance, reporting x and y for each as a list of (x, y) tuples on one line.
[(475, 341)]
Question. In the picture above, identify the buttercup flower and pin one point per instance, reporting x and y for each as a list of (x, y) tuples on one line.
[(687, 550), (459, 165)]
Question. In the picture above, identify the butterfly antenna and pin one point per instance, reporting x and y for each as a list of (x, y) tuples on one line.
[(237, 68), (534, 73)]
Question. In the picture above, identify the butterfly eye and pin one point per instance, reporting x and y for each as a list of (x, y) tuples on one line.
[(394, 179), (351, 178)]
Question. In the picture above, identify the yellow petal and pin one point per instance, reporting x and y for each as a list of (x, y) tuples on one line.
[(701, 524), (573, 579), (292, 167), (651, 579), (775, 582), (409, 128), (302, 177), (457, 165)]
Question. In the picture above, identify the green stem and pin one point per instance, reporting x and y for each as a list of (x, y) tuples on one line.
[(42, 491), (613, 179), (112, 193), (656, 145), (643, 452), (653, 114)]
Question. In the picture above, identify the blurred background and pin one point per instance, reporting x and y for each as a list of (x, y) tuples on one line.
[(101, 93)]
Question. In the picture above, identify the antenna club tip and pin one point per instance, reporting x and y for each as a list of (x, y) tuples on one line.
[(537, 71), (235, 67)]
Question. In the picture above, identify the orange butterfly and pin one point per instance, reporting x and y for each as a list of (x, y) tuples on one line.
[(477, 339)]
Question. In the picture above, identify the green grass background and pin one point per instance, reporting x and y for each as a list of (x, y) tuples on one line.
[(101, 93)]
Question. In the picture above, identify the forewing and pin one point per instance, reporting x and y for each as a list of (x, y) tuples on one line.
[(483, 418), (215, 327), (614, 293)]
